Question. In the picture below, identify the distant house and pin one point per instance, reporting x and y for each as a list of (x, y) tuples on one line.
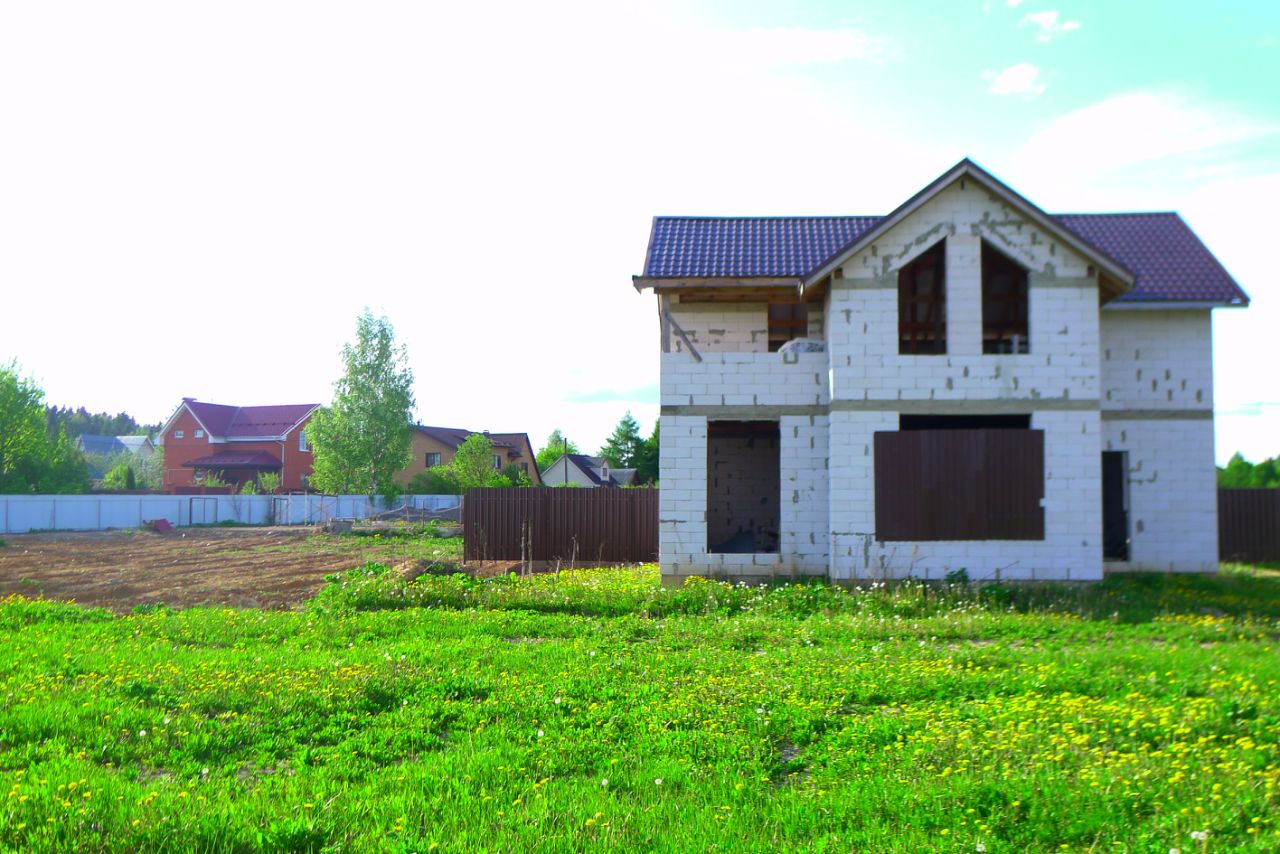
[(586, 471), (435, 446), (236, 443), (100, 448)]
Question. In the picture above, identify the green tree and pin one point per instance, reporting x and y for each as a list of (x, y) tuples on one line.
[(363, 438), (516, 476), (150, 470), (556, 445), (64, 471), (621, 449), (1239, 473), (437, 480), (472, 464), (647, 458), (120, 476), (25, 449)]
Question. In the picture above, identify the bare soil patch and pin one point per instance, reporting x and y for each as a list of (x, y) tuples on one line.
[(239, 567)]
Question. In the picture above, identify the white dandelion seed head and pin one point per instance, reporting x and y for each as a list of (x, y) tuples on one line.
[(539, 733), (557, 701), (142, 733), (604, 782), (1199, 835), (657, 781)]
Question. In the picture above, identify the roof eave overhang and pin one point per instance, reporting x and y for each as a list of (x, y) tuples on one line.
[(1173, 305), (184, 405), (968, 169), (674, 284)]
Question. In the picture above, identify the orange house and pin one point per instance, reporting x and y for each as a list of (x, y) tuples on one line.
[(236, 443)]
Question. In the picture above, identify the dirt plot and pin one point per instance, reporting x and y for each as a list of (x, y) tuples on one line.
[(240, 567)]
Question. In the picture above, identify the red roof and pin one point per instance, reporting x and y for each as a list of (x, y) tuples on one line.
[(232, 422), (234, 460)]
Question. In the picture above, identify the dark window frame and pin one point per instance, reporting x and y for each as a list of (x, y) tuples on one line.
[(1006, 303), (427, 459), (788, 320), (922, 303)]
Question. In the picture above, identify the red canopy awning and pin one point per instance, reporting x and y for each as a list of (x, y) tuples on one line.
[(233, 460)]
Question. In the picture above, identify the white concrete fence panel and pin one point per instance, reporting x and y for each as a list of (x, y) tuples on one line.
[(20, 514)]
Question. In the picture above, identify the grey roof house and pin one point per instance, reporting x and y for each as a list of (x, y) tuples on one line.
[(586, 471)]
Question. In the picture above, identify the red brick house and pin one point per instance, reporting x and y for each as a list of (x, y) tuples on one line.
[(237, 443)]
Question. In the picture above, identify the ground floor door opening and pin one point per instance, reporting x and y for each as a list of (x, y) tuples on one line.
[(744, 484), (1115, 505)]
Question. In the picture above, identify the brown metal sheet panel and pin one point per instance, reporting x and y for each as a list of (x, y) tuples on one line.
[(568, 525), (1249, 525), (984, 484)]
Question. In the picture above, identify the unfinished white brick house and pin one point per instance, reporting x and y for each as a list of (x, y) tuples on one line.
[(980, 386)]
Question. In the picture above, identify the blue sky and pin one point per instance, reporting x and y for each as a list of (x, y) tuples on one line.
[(202, 199)]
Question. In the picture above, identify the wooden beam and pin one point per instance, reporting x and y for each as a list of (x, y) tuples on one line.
[(760, 295), (664, 321), (697, 357)]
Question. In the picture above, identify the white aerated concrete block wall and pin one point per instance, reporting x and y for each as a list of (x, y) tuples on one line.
[(1173, 494), (722, 327), (744, 379), (1157, 360), (682, 504), (1157, 406), (806, 542), (862, 312), (1070, 551)]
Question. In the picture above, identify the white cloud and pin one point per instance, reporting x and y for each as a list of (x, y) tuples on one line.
[(1014, 3), (1135, 138), (1214, 165), (1048, 24), (1020, 79)]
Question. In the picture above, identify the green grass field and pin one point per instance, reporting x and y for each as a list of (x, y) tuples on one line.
[(596, 711)]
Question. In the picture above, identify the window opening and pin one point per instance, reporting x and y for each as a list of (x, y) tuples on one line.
[(433, 459), (922, 303), (744, 483), (788, 320), (1005, 326), (302, 441), (1115, 505)]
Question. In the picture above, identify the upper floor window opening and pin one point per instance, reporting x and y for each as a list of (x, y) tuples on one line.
[(922, 303), (788, 320), (1005, 303)]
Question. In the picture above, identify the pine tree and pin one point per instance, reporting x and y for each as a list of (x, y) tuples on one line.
[(622, 448)]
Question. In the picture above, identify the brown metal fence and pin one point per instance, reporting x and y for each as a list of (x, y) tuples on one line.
[(1249, 525), (981, 484), (582, 526)]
